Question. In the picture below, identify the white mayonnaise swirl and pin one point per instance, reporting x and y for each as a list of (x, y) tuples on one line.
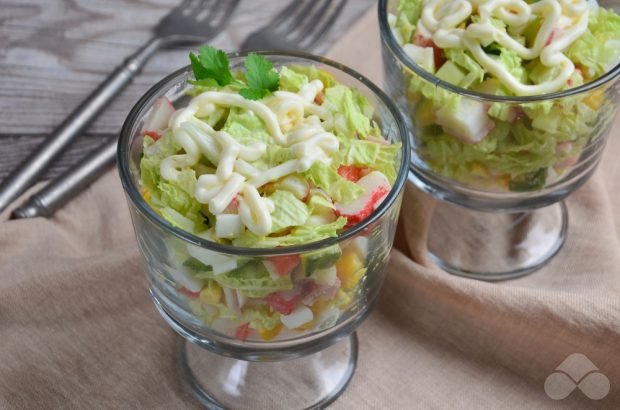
[(563, 21), (292, 119)]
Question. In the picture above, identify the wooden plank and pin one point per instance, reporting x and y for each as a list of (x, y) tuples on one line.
[(19, 146)]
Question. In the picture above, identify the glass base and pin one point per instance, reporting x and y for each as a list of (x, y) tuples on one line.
[(310, 382), (495, 246)]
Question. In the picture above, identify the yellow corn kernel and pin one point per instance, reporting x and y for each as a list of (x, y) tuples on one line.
[(350, 269), (478, 169), (326, 78), (355, 278), (425, 113), (319, 306), (348, 263), (306, 326), (594, 100), (146, 194), (268, 334), (211, 294), (504, 180)]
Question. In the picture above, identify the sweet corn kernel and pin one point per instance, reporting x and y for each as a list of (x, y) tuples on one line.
[(348, 263), (306, 326), (268, 334), (350, 269), (146, 194), (594, 100), (319, 306), (211, 294), (326, 77), (425, 113), (478, 169), (504, 180), (354, 279)]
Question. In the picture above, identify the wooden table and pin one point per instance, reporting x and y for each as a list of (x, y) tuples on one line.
[(54, 52)]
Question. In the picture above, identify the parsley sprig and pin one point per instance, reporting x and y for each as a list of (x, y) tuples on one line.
[(212, 68), (211, 64), (262, 77)]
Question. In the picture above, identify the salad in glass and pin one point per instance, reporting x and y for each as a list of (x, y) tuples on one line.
[(514, 51), (264, 158)]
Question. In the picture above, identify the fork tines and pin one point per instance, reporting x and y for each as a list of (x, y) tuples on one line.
[(300, 25), (304, 17)]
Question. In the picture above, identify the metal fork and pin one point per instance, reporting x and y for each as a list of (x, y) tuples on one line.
[(193, 21), (300, 26)]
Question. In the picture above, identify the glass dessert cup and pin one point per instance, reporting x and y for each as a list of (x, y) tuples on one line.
[(223, 360), (501, 212)]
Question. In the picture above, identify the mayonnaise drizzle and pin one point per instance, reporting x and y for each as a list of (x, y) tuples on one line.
[(292, 119), (563, 21)]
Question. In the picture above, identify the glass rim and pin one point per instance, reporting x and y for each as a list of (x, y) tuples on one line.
[(132, 190), (396, 49)]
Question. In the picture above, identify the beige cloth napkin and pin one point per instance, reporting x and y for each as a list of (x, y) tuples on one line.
[(78, 330)]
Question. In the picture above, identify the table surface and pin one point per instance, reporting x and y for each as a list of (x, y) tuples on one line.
[(53, 53)]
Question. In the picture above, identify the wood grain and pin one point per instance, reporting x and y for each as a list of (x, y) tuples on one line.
[(54, 52), (23, 144)]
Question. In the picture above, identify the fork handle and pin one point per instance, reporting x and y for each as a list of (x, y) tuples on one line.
[(70, 183), (33, 166)]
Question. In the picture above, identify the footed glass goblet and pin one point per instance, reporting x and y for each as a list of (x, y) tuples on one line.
[(501, 166), (236, 353)]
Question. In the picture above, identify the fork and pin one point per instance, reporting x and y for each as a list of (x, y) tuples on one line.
[(300, 26), (193, 21)]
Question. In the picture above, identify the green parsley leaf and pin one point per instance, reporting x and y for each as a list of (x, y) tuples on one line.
[(253, 93), (260, 73), (262, 78), (211, 64), (199, 71)]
